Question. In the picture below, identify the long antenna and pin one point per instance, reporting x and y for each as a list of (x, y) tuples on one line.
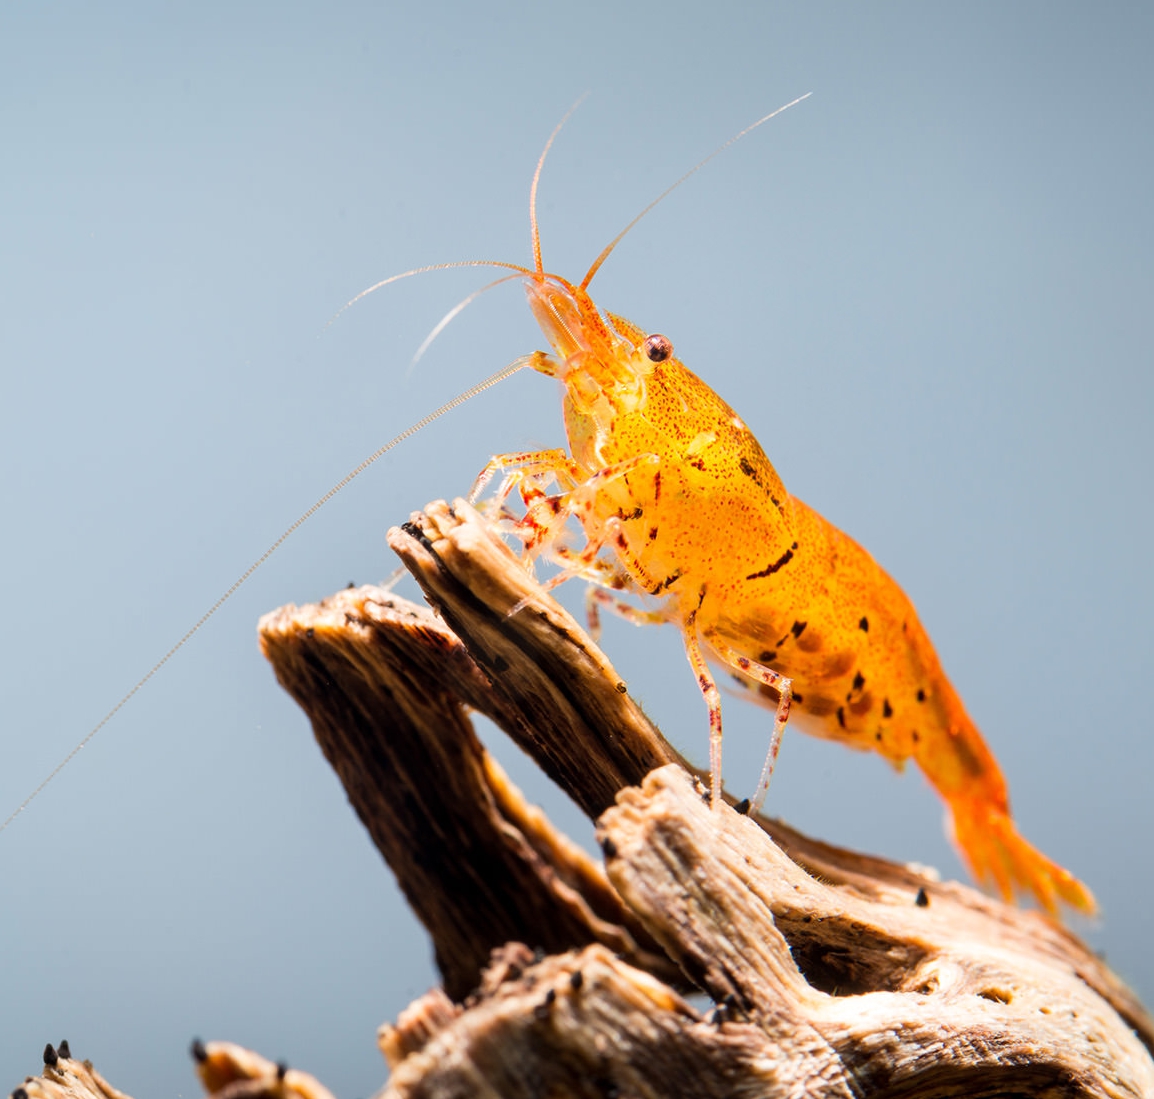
[(461, 398), (673, 187), (534, 227), (452, 315), (422, 271)]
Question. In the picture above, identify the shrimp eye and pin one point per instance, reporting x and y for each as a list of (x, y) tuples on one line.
[(657, 348)]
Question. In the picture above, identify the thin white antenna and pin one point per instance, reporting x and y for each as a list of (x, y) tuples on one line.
[(453, 313), (421, 271), (461, 398)]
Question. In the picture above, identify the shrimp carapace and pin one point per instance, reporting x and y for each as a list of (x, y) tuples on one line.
[(680, 505)]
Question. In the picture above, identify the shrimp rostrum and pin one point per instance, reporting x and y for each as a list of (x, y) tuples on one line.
[(678, 503)]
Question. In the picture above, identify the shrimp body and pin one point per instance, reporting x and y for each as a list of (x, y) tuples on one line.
[(679, 504)]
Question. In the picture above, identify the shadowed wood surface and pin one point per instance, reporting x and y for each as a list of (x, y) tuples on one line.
[(827, 973), (384, 683)]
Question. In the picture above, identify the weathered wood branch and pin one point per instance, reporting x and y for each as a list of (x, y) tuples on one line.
[(967, 1018), (831, 973), (385, 685)]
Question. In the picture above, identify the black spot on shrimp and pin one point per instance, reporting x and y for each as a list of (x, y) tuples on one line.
[(773, 567)]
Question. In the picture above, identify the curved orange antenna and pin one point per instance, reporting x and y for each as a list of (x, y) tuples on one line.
[(534, 228), (669, 190)]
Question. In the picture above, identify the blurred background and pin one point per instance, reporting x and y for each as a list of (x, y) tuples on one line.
[(927, 289)]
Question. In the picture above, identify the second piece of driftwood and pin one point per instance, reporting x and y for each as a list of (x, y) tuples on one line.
[(968, 1018)]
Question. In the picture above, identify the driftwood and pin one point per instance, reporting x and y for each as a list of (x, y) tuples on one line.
[(829, 972)]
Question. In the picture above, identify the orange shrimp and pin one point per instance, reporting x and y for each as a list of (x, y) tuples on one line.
[(664, 475)]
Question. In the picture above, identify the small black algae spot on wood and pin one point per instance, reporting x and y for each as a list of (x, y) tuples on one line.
[(542, 1010)]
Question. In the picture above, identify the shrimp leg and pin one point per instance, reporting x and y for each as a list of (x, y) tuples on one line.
[(526, 463), (784, 687), (597, 597), (712, 697)]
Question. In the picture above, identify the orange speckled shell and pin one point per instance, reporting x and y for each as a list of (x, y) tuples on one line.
[(710, 531)]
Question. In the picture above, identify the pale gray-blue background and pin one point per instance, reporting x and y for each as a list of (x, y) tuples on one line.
[(928, 289)]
